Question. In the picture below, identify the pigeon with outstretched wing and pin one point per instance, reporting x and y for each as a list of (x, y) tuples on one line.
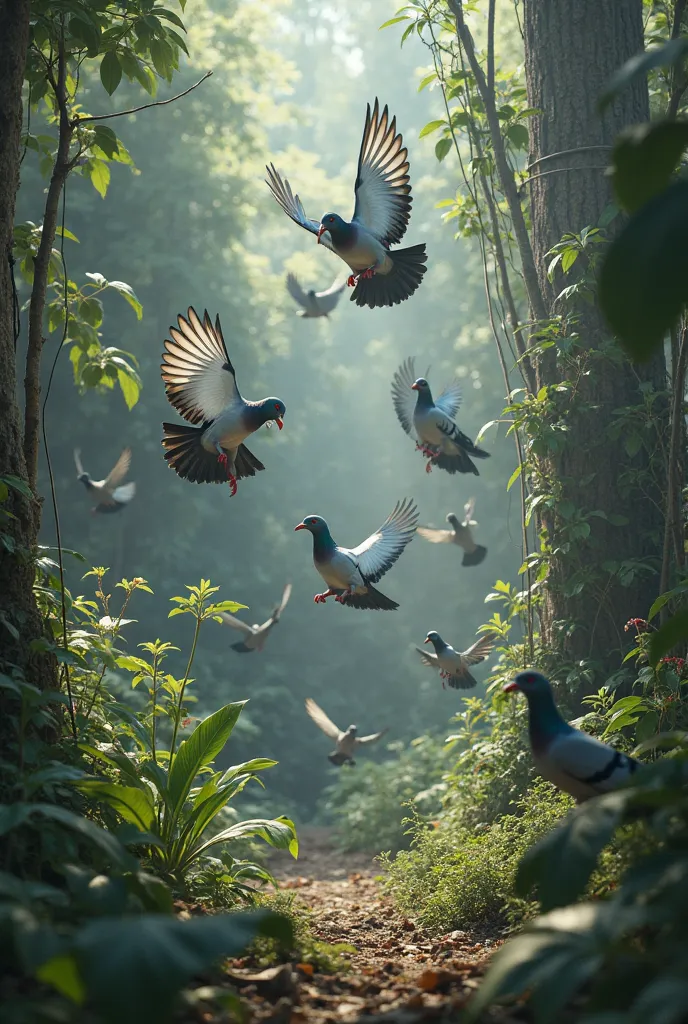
[(110, 494), (460, 533), (453, 666), (314, 304), (256, 636), (346, 741)]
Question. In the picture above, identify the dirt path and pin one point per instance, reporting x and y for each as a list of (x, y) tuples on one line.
[(397, 970)]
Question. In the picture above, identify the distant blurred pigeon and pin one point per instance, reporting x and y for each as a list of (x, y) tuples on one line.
[(571, 759), (460, 533), (453, 665), (432, 421), (350, 572), (110, 494), (345, 742), (381, 216), (256, 635), (315, 303), (200, 383)]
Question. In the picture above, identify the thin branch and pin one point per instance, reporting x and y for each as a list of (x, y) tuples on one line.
[(563, 152), (672, 530), (490, 46), (145, 106)]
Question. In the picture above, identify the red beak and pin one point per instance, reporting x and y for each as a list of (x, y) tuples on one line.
[(279, 423), (414, 387), (427, 640), (321, 229), (510, 687), (301, 526)]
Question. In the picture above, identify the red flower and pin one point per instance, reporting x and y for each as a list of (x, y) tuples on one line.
[(639, 624)]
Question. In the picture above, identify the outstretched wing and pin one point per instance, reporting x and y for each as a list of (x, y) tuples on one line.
[(480, 650), (231, 620), (321, 719), (291, 204), (468, 510), (372, 738), (450, 399), (403, 397), (378, 553), (383, 192), (197, 371), (427, 657), (296, 291), (119, 470), (77, 462), (327, 300), (436, 536), (284, 601)]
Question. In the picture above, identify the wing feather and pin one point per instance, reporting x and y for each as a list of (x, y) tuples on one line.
[(327, 300), (450, 399), (197, 371), (479, 650), (427, 658), (403, 397), (383, 190), (119, 470), (436, 536), (468, 513), (322, 720), (296, 291), (291, 204), (373, 737), (378, 553), (231, 620), (77, 462), (284, 601)]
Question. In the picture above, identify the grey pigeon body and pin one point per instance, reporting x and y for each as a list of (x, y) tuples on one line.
[(111, 494), (346, 741), (382, 276), (315, 304), (200, 383), (255, 637), (575, 762), (351, 572), (432, 421), (454, 666), (459, 533)]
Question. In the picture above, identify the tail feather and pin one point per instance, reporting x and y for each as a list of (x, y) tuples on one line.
[(401, 282), (339, 759), (474, 557), (242, 648), (190, 460), (373, 599), (463, 682), (458, 463), (246, 463)]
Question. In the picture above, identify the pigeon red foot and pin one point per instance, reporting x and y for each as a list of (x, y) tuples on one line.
[(429, 453), (353, 279), (223, 460), (339, 598), (321, 598)]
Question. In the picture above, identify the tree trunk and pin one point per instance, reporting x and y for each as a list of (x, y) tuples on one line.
[(571, 51), (20, 622)]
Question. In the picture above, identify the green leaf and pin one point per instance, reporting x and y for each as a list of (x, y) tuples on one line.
[(278, 832), (130, 387), (427, 80), (669, 55), (110, 72), (133, 804), (644, 278), (442, 148), (106, 140), (62, 973), (127, 292), (204, 744), (100, 176), (14, 815), (431, 127), (569, 257), (393, 21), (514, 477), (517, 135), (644, 159), (673, 632)]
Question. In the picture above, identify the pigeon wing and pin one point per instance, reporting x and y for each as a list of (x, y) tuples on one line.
[(372, 738), (327, 301), (468, 512), (378, 553), (322, 720), (291, 204), (77, 462), (284, 601), (383, 191), (197, 371), (436, 536), (119, 470), (403, 397), (123, 495), (588, 760), (479, 650), (450, 399), (296, 291), (427, 657), (231, 620)]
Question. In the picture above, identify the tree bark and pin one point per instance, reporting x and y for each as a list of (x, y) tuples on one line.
[(20, 622), (571, 51)]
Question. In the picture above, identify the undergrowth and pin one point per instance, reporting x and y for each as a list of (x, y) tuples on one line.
[(325, 958)]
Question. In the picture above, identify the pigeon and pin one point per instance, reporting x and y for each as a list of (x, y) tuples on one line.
[(381, 214), (432, 420), (200, 383), (345, 742), (350, 572), (256, 635), (110, 494), (314, 303), (575, 762), (460, 533), (453, 665)]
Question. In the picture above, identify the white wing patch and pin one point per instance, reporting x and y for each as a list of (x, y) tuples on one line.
[(378, 553), (197, 371)]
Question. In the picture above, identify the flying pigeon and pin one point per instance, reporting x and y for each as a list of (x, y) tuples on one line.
[(314, 303), (577, 763), (350, 572), (110, 494), (432, 421), (453, 665), (256, 635), (345, 742), (381, 215), (460, 533), (200, 383)]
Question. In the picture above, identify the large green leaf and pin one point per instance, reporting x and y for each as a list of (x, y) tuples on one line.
[(131, 803), (644, 159), (131, 968), (114, 759), (14, 815), (670, 54), (673, 632), (644, 278), (204, 744), (278, 832)]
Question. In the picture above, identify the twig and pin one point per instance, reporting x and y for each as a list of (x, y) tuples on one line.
[(145, 106), (563, 152), (672, 536)]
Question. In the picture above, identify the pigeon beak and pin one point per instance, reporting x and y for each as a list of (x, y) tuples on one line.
[(301, 526), (427, 640), (510, 687), (414, 387), (321, 230), (279, 423)]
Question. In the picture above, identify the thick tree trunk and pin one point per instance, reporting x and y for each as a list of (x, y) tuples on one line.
[(20, 622), (571, 51)]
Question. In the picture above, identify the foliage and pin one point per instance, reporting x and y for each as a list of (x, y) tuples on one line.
[(324, 957)]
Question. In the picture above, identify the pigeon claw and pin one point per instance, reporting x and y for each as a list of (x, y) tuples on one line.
[(366, 274), (351, 280), (222, 458), (232, 485)]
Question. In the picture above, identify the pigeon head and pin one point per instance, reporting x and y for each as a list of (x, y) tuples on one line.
[(423, 389), (352, 730), (314, 524), (339, 231), (85, 479), (531, 683), (453, 521), (266, 411), (435, 639)]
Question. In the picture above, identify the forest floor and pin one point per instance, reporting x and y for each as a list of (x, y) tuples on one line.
[(397, 972)]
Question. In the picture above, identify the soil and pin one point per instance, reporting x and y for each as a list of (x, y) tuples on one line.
[(397, 970)]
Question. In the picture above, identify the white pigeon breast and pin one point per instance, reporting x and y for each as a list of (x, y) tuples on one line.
[(227, 430), (341, 572), (426, 423)]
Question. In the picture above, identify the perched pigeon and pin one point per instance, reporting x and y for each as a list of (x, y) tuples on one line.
[(453, 665), (439, 438), (110, 494), (314, 303), (381, 216), (256, 635), (200, 384), (460, 533), (345, 742), (350, 572), (577, 763)]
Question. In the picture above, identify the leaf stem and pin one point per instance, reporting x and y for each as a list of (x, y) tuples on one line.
[(178, 715)]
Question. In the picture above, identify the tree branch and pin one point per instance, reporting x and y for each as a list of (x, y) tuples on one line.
[(145, 106)]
